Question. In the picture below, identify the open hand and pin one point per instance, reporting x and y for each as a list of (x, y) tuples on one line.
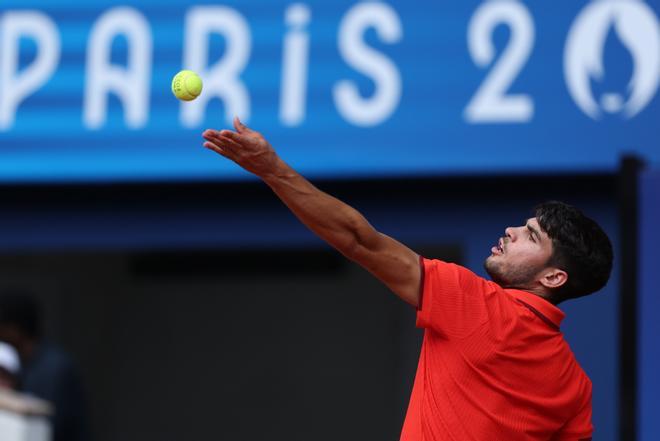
[(245, 147)]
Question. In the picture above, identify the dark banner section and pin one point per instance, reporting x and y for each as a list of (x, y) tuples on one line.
[(649, 305)]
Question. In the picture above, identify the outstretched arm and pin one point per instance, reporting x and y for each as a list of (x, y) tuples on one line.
[(343, 227)]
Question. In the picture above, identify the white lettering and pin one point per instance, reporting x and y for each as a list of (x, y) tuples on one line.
[(491, 103), (384, 73), (130, 84), (15, 86), (220, 80), (294, 67)]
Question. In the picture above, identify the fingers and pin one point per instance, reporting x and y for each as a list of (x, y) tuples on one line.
[(224, 142), (239, 126), (215, 134), (228, 143), (225, 136), (235, 137), (211, 146)]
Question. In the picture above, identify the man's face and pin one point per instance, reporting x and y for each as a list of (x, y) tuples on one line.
[(518, 257)]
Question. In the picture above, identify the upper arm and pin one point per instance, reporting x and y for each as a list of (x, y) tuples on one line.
[(393, 263)]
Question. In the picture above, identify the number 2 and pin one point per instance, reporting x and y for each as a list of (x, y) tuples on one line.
[(491, 103)]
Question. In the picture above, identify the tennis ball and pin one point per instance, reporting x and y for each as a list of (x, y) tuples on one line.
[(186, 85)]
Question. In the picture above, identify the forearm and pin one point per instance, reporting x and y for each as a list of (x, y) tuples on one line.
[(337, 223), (332, 220)]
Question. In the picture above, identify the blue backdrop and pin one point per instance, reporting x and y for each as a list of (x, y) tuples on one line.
[(342, 88)]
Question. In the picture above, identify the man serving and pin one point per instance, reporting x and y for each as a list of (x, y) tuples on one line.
[(494, 364)]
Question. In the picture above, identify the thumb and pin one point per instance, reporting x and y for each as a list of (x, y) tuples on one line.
[(239, 126)]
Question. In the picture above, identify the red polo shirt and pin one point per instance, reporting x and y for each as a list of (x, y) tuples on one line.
[(494, 365)]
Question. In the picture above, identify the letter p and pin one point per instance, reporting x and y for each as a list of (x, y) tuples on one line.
[(15, 86)]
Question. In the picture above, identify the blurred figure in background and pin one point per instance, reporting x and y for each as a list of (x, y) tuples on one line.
[(16, 406), (47, 371), (10, 367)]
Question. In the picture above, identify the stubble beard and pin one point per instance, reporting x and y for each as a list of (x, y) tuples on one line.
[(510, 277)]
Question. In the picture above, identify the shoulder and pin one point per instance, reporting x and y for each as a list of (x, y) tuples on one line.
[(454, 300), (452, 280), (452, 271)]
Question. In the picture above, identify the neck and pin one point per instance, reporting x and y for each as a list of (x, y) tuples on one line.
[(537, 290)]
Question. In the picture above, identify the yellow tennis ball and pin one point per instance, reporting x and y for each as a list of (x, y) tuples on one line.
[(186, 85)]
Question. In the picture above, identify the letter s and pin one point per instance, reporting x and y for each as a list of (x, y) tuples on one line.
[(376, 109)]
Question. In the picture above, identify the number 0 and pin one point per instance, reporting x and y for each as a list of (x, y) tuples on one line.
[(491, 104)]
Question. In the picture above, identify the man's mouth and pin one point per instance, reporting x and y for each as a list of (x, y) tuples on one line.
[(498, 248)]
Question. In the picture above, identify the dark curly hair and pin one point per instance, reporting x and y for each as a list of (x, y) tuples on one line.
[(579, 246)]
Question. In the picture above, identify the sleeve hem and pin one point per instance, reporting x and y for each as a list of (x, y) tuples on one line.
[(421, 283), (424, 304)]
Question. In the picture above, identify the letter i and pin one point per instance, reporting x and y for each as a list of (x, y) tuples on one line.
[(294, 65)]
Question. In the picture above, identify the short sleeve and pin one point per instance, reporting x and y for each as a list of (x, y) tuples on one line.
[(452, 301), (579, 427)]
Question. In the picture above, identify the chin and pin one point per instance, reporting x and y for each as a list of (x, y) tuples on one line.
[(491, 269), (495, 272), (509, 277)]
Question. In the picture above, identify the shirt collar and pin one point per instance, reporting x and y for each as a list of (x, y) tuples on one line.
[(540, 306)]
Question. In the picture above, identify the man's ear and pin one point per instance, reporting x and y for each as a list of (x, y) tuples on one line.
[(553, 278)]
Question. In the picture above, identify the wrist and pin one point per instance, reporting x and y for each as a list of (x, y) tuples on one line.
[(279, 171)]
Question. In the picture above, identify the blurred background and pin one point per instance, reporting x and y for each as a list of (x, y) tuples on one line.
[(187, 300)]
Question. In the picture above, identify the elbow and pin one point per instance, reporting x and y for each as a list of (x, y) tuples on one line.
[(354, 239), (351, 248), (360, 251), (358, 238)]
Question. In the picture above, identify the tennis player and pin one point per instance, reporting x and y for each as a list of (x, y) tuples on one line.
[(494, 365)]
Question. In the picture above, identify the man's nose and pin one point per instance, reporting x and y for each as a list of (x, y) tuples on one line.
[(510, 233)]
